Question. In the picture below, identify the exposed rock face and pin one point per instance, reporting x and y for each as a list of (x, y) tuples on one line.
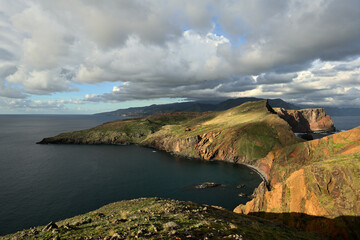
[(317, 178), (307, 120)]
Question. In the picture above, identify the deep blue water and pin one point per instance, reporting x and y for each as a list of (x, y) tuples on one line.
[(43, 183), (346, 122)]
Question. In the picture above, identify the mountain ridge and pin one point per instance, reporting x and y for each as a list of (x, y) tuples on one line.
[(203, 106), (192, 107)]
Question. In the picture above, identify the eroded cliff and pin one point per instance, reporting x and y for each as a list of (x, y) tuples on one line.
[(307, 120), (317, 178)]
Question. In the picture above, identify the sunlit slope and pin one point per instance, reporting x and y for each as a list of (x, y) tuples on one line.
[(315, 178), (244, 133)]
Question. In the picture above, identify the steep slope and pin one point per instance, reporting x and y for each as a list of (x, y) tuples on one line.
[(242, 134), (315, 178), (154, 218)]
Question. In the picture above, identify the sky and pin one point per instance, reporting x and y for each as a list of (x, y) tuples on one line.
[(88, 56)]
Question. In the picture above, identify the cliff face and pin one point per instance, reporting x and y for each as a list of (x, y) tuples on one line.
[(307, 120), (316, 178)]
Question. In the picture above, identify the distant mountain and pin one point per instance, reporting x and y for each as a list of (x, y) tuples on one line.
[(193, 107), (230, 103)]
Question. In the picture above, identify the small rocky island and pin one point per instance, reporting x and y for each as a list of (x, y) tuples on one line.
[(313, 186), (208, 185)]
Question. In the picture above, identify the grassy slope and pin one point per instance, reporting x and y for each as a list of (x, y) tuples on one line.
[(147, 218), (249, 130)]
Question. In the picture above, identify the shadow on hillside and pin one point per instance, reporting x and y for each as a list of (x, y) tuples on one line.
[(344, 227)]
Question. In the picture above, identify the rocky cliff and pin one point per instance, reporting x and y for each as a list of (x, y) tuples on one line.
[(317, 178), (307, 120)]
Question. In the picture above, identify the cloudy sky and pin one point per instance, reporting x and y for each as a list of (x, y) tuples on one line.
[(86, 56)]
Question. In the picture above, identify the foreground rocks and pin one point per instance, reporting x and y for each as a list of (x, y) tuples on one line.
[(155, 218)]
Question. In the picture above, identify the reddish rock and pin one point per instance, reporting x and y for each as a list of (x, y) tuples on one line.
[(314, 186), (307, 120)]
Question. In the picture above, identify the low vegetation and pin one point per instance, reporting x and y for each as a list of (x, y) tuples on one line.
[(155, 218)]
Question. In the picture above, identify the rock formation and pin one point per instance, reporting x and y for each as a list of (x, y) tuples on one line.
[(307, 120)]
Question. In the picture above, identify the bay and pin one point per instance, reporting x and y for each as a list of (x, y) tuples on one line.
[(43, 183)]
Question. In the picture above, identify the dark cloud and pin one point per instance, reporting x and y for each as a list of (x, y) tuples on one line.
[(6, 55), (238, 84), (273, 78)]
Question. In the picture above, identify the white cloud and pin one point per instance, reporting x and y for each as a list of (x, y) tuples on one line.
[(46, 41), (192, 58)]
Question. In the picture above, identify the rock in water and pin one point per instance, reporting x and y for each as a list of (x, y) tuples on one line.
[(207, 185)]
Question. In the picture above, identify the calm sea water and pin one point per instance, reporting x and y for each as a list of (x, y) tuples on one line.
[(346, 122), (43, 183)]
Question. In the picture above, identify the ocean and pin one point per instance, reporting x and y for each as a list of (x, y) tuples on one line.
[(43, 183), (343, 123)]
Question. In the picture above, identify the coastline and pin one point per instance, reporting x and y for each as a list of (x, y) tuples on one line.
[(257, 170)]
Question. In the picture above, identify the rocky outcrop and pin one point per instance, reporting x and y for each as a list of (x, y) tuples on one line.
[(207, 185), (316, 178), (155, 218), (307, 120)]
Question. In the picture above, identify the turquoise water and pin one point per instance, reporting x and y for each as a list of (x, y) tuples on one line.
[(43, 183)]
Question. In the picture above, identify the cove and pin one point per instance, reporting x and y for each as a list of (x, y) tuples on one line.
[(43, 183)]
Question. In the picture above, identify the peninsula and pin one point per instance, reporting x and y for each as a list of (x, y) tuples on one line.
[(313, 186)]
